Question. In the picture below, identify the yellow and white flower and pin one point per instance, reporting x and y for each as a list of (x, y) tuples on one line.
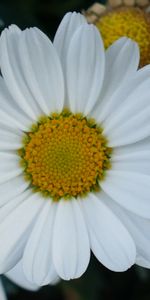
[(74, 152)]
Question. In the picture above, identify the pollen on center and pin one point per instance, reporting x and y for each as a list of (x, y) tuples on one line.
[(65, 155)]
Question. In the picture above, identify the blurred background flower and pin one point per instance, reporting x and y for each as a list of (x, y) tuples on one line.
[(117, 18)]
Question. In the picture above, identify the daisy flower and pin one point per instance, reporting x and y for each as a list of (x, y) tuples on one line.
[(74, 152)]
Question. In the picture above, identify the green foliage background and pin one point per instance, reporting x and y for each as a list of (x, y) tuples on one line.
[(97, 283)]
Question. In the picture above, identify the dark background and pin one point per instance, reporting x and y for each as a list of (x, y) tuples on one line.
[(98, 282), (45, 14)]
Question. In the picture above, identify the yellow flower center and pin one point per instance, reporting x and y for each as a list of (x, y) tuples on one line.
[(130, 22), (65, 155)]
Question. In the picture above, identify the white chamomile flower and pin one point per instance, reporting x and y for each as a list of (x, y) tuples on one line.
[(74, 152)]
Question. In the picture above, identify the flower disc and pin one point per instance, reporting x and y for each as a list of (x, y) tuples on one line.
[(65, 155)]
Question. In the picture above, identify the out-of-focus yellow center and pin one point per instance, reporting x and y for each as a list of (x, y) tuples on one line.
[(130, 22), (65, 155)]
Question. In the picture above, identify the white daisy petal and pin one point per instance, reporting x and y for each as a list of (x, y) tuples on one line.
[(17, 276), (38, 251), (129, 108), (139, 229), (14, 231), (2, 292), (42, 70), (85, 69), (8, 159), (9, 166), (133, 158), (125, 133), (69, 24), (110, 241), (15, 117), (51, 278), (138, 161), (71, 251), (9, 140), (122, 59), (130, 190), (143, 145), (12, 188), (130, 156), (12, 71), (7, 121), (12, 204), (123, 92)]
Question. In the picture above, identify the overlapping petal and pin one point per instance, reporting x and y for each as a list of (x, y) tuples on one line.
[(129, 110), (138, 227), (11, 116), (17, 276), (38, 251), (68, 26), (85, 69), (122, 59), (14, 231), (42, 70), (130, 190), (12, 72), (138, 161), (109, 240), (12, 188), (32, 71), (71, 249), (9, 166)]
